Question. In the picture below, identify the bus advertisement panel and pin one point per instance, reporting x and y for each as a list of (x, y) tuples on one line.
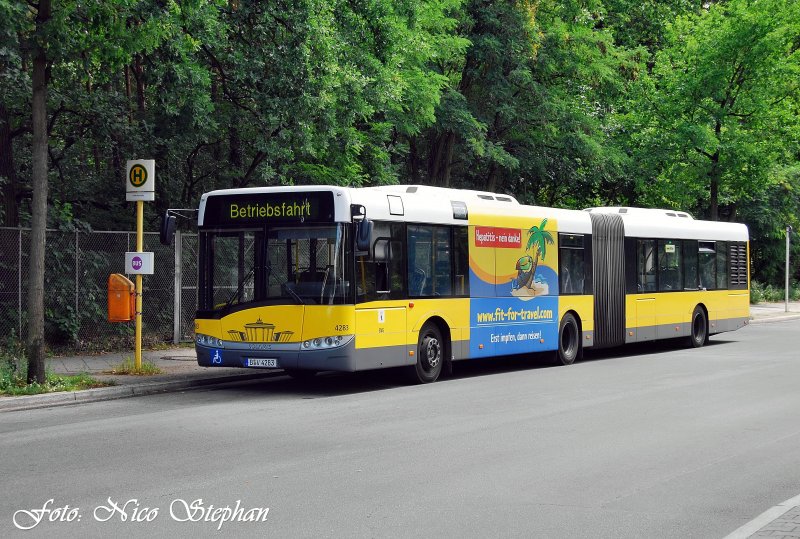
[(514, 287)]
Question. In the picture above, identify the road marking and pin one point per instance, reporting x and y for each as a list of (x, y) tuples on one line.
[(764, 518)]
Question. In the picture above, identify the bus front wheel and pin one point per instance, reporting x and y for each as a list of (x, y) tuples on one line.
[(569, 340), (699, 328), (430, 355)]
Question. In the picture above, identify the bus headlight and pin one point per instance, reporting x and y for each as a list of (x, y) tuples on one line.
[(208, 340), (323, 343)]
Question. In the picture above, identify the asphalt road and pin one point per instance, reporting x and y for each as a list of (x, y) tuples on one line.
[(647, 441)]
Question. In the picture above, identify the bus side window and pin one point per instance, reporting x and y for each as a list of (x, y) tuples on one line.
[(420, 260), (571, 264), (382, 254), (430, 267), (722, 265), (379, 272), (670, 267), (461, 261), (646, 265), (708, 265), (690, 253), (442, 263)]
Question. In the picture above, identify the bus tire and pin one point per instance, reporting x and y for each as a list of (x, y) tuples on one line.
[(569, 340), (699, 335), (300, 374), (430, 355)]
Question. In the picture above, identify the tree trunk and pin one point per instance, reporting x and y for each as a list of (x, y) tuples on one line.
[(127, 73), (491, 183), (11, 186), (448, 158), (441, 155), (413, 160), (713, 175), (35, 341), (138, 72), (713, 180)]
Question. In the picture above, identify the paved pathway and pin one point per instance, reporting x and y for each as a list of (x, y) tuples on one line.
[(773, 312), (783, 520), (786, 525)]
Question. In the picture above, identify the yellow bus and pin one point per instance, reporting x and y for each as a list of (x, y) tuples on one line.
[(319, 278)]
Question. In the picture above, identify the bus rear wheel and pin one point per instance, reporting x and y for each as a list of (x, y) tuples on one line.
[(699, 335), (569, 340), (430, 355)]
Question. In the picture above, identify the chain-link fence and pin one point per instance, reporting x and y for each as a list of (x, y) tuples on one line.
[(77, 266)]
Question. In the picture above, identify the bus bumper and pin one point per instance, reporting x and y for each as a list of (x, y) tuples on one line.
[(285, 356)]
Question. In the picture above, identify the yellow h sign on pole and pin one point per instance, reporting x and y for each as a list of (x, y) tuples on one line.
[(139, 187), (138, 175)]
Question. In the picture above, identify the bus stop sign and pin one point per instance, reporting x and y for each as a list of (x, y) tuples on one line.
[(140, 180)]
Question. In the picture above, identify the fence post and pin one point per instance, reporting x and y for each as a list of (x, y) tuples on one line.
[(176, 317), (19, 282), (76, 275)]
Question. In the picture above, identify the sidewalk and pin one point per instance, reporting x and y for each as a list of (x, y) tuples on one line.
[(181, 371), (774, 312), (782, 520), (179, 368)]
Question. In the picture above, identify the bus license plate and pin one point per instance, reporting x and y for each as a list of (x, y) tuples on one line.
[(258, 362)]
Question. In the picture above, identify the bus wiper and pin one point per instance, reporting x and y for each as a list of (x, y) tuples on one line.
[(294, 294), (239, 289)]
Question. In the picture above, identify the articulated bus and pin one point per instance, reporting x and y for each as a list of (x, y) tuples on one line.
[(325, 278)]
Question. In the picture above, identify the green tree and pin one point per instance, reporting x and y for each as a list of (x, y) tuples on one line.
[(528, 108), (720, 109)]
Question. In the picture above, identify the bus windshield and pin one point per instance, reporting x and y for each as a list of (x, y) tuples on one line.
[(275, 265)]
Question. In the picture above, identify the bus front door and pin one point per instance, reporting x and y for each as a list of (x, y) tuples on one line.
[(381, 337)]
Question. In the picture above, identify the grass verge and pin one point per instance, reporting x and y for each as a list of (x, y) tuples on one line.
[(13, 375), (14, 385), (128, 367)]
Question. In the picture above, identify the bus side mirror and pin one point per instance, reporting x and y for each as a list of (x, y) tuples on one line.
[(363, 234), (167, 233)]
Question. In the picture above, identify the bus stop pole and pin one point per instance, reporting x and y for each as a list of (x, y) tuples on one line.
[(139, 248), (788, 233)]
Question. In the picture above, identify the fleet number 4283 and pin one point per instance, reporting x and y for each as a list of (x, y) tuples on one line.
[(341, 327)]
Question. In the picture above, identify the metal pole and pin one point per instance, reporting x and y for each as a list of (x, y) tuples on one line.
[(176, 318), (19, 283), (788, 233), (76, 274), (139, 249)]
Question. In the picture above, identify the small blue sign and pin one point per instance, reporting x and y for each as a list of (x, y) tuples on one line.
[(216, 357)]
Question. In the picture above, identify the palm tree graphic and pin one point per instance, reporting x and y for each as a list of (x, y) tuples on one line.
[(538, 239)]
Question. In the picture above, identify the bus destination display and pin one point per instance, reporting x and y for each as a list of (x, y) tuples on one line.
[(314, 207)]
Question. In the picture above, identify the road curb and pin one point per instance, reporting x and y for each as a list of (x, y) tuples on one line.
[(779, 318), (64, 398)]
